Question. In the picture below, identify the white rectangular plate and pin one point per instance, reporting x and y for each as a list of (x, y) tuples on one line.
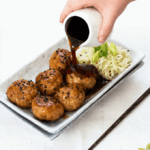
[(40, 64)]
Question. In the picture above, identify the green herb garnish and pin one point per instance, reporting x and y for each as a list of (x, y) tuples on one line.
[(147, 147), (96, 57), (113, 49), (102, 50), (97, 48)]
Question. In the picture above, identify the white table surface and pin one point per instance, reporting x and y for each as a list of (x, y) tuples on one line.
[(27, 28)]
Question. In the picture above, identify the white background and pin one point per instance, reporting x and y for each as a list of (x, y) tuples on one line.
[(27, 28)]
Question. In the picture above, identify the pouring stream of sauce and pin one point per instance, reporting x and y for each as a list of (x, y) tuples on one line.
[(77, 32)]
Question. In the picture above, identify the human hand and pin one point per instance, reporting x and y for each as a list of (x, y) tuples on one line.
[(110, 10)]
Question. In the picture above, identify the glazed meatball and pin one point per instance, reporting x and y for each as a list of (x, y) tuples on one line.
[(86, 82), (49, 81), (60, 59), (71, 96), (81, 75), (47, 108), (22, 92)]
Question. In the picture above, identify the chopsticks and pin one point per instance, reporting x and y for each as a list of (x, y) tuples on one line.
[(140, 99)]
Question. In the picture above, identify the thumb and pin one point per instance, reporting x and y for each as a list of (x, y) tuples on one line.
[(106, 27)]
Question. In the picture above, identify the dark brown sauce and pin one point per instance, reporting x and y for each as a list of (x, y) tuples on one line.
[(77, 29), (65, 115), (84, 70), (73, 50), (77, 32), (99, 85)]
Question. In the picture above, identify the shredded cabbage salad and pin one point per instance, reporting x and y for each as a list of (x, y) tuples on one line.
[(109, 59)]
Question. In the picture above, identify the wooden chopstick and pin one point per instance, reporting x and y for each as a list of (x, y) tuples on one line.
[(142, 97)]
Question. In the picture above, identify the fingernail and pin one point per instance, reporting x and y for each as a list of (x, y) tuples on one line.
[(102, 39)]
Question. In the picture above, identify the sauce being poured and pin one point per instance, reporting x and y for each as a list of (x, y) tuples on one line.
[(73, 50), (77, 31)]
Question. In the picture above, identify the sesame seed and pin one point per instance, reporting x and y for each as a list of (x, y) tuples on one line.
[(77, 87), (38, 101), (45, 99)]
